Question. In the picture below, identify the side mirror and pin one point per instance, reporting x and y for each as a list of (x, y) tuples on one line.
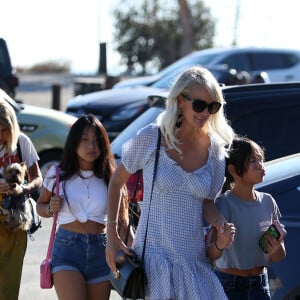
[(156, 100)]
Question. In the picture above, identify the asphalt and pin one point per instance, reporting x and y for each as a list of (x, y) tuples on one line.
[(37, 90)]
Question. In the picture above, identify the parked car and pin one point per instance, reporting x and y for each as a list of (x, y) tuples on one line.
[(266, 113), (282, 181), (281, 65), (47, 128), (117, 108), (269, 114), (8, 79)]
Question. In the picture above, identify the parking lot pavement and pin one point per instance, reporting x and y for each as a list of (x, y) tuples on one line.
[(36, 252)]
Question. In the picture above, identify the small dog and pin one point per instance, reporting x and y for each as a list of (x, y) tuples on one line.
[(15, 208)]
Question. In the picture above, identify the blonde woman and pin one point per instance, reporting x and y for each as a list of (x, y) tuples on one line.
[(190, 174)]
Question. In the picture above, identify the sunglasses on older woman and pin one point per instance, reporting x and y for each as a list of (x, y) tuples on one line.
[(199, 105)]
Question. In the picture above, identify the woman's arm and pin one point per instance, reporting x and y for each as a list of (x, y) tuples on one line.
[(212, 215), (114, 242), (34, 179), (48, 204)]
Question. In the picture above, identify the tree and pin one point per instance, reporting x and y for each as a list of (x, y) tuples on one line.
[(156, 34)]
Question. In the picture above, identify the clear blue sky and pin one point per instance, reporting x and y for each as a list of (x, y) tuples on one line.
[(42, 30)]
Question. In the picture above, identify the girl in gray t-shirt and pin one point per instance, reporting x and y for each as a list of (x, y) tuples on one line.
[(241, 267)]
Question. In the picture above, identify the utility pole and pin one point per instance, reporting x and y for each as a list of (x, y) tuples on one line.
[(236, 23)]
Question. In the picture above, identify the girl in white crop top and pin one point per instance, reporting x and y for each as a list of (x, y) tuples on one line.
[(241, 267), (78, 260)]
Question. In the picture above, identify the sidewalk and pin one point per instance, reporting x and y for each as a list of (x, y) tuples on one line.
[(36, 252)]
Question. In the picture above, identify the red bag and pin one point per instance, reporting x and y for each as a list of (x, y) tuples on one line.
[(46, 280)]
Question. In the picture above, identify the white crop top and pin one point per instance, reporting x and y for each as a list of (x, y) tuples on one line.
[(84, 199)]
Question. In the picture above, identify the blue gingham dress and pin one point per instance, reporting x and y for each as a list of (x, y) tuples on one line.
[(175, 261)]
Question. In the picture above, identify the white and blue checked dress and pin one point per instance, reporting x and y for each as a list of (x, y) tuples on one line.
[(175, 261)]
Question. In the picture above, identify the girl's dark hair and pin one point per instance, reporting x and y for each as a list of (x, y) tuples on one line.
[(105, 163), (103, 167), (239, 155)]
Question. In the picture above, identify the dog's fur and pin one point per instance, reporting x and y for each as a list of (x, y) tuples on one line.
[(20, 216)]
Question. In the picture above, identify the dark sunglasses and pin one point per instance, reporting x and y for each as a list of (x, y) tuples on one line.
[(199, 105)]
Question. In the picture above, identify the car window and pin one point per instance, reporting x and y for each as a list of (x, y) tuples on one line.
[(251, 120), (189, 60), (238, 61), (149, 116), (272, 61)]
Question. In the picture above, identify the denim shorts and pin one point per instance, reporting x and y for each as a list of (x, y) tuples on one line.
[(84, 253), (245, 288)]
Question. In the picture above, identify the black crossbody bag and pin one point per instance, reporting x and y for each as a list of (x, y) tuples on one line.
[(131, 279)]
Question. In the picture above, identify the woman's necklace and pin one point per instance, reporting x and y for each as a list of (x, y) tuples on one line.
[(86, 181)]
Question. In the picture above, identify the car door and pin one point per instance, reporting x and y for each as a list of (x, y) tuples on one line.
[(237, 61), (284, 276), (280, 66), (269, 118)]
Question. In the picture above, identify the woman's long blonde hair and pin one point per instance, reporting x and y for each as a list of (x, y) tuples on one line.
[(8, 119), (217, 123)]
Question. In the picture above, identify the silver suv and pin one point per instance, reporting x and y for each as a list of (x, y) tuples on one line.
[(281, 65)]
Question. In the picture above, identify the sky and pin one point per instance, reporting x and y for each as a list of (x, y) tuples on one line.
[(71, 31)]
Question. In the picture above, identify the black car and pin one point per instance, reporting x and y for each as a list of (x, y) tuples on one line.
[(269, 114), (266, 113), (8, 80)]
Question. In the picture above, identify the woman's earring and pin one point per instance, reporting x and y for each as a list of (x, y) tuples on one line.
[(179, 118)]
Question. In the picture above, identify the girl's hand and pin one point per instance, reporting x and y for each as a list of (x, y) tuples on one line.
[(273, 245), (225, 236), (55, 203), (16, 189)]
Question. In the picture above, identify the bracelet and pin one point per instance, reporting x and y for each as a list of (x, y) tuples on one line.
[(220, 249), (111, 222), (49, 212)]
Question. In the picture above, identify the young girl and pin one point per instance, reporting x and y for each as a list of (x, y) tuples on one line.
[(78, 260), (241, 268)]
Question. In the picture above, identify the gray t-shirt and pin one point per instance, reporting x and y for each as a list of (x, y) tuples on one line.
[(251, 219)]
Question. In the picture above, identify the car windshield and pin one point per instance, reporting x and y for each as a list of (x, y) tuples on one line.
[(149, 116), (189, 60), (168, 75), (167, 81)]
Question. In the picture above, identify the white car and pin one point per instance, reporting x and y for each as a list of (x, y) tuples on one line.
[(47, 129), (281, 65)]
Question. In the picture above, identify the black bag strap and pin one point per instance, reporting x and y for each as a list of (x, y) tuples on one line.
[(19, 151), (154, 175), (132, 212), (20, 156), (139, 174)]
